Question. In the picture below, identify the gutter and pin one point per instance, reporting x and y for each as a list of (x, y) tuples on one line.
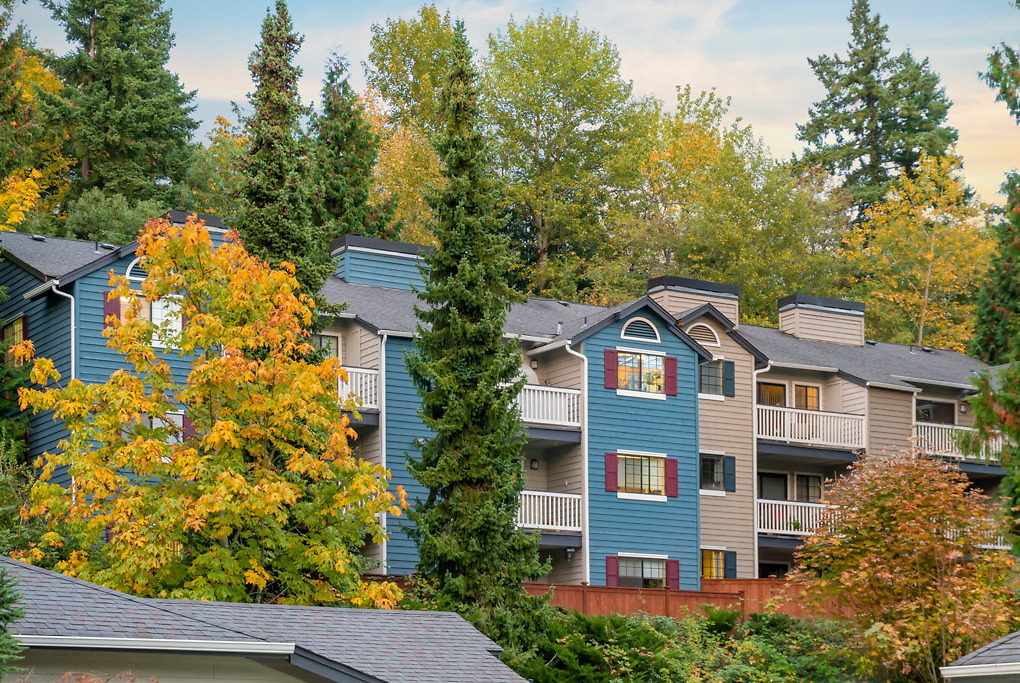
[(552, 347), (980, 670), (798, 366), (51, 285), (236, 647), (584, 459), (893, 387)]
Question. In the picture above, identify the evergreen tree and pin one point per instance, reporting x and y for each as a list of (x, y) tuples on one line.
[(998, 301), (9, 613), (11, 131), (275, 218), (345, 154), (879, 113), (129, 118), (467, 376)]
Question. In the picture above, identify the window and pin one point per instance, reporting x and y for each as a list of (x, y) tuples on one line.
[(329, 344), (772, 486), (640, 372), (770, 394), (642, 572), (710, 377), (174, 424), (712, 473), (935, 411), (640, 329), (13, 333), (806, 397), (165, 311), (642, 474), (809, 488), (713, 564)]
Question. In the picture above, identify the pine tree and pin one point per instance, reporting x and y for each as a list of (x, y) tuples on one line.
[(9, 613), (275, 218), (879, 113), (345, 155), (467, 376), (998, 301), (11, 130), (129, 117)]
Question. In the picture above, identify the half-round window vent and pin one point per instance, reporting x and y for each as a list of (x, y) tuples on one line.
[(641, 330), (703, 334), (135, 271)]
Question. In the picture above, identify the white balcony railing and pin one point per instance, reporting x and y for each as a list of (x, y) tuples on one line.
[(945, 440), (789, 517), (363, 383), (550, 511), (813, 427), (550, 405)]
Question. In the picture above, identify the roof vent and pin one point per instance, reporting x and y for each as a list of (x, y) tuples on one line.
[(870, 342), (563, 303), (39, 238), (927, 349), (107, 246)]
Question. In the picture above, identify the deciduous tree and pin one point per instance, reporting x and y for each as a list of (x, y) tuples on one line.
[(925, 255), (902, 555), (276, 215), (879, 114), (252, 493), (214, 179), (467, 376)]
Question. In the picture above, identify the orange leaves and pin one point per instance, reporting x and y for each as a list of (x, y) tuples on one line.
[(231, 479)]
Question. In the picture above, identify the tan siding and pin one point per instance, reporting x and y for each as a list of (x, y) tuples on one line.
[(571, 572), (368, 445), (46, 666), (728, 426), (535, 480), (369, 345), (855, 398), (565, 472), (677, 302), (559, 369), (890, 416), (832, 395), (821, 326)]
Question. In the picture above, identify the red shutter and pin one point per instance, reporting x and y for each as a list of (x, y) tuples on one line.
[(670, 376), (672, 478), (612, 571), (111, 307), (612, 473), (673, 574), (610, 369), (187, 429)]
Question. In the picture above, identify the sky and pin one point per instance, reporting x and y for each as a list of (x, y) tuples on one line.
[(754, 51)]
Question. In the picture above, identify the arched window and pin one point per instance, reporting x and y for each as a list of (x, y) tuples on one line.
[(703, 334), (640, 329), (135, 273)]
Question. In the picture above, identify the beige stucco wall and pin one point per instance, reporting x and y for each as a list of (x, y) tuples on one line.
[(727, 427), (46, 666)]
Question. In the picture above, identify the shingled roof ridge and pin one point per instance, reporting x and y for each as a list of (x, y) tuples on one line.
[(148, 602)]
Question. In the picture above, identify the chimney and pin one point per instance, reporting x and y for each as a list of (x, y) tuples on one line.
[(822, 319), (679, 294)]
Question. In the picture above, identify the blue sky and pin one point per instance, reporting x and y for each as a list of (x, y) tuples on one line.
[(754, 51)]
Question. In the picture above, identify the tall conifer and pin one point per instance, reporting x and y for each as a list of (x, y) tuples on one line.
[(467, 376), (129, 118), (9, 613), (880, 112), (346, 150), (277, 191), (998, 301)]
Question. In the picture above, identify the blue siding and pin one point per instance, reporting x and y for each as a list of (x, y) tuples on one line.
[(399, 271), (402, 426), (630, 423)]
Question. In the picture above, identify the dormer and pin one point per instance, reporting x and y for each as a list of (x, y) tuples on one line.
[(373, 261), (820, 318), (679, 294)]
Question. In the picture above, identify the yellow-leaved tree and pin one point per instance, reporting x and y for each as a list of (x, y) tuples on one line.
[(923, 257), (233, 483)]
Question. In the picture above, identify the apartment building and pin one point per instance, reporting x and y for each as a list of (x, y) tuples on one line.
[(666, 442)]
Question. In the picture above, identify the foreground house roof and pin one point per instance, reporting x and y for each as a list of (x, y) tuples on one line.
[(997, 661), (337, 643)]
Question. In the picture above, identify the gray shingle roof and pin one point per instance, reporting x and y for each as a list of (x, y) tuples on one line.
[(1003, 651), (53, 257), (383, 644), (876, 363)]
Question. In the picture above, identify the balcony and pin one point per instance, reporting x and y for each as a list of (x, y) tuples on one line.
[(944, 440), (553, 406), (550, 511), (811, 427), (788, 517), (363, 383)]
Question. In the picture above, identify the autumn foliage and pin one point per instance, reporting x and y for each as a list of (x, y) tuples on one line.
[(906, 555), (257, 497)]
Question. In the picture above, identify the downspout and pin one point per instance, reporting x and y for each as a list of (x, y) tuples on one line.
[(584, 459), (53, 284), (382, 440), (754, 457)]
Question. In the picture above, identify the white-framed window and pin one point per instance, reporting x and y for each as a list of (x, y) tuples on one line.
[(166, 311), (772, 394), (713, 472), (640, 329), (330, 344), (710, 377), (713, 563), (807, 396), (937, 412), (640, 372), (13, 333), (808, 487), (703, 334), (642, 474), (642, 572)]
